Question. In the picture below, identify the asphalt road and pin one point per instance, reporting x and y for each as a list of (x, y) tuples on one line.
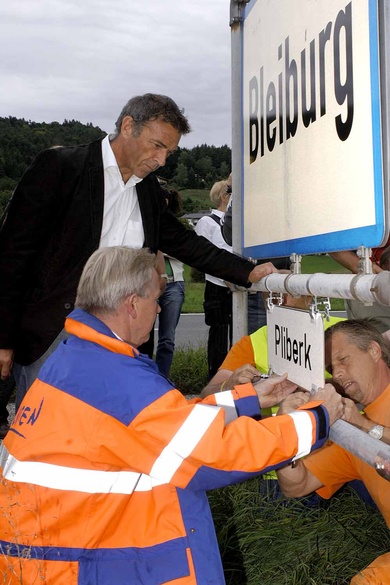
[(191, 331)]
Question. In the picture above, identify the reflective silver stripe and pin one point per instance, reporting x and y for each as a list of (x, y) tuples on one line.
[(226, 401), (184, 442), (304, 429), (118, 482), (72, 479)]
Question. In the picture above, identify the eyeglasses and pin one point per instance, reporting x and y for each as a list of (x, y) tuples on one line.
[(228, 189)]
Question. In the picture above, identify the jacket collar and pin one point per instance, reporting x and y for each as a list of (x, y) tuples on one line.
[(90, 328)]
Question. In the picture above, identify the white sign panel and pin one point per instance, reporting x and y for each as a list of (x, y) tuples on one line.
[(312, 127), (296, 346)]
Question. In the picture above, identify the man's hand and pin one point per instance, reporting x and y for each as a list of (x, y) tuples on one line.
[(352, 414), (6, 361), (332, 401), (260, 271), (160, 268), (242, 375), (273, 390), (294, 401)]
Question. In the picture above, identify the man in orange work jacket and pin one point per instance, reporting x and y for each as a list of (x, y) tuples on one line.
[(106, 465)]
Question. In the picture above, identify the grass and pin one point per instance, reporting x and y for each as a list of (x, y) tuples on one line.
[(200, 197), (285, 542), (189, 369), (322, 263), (310, 264)]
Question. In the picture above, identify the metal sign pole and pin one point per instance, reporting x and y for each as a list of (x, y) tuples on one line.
[(240, 301)]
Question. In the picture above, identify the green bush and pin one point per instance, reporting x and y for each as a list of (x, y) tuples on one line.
[(189, 370)]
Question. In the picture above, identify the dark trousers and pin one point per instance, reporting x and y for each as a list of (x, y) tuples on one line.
[(218, 316), (6, 388)]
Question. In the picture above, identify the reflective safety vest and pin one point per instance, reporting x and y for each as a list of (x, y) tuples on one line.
[(106, 466)]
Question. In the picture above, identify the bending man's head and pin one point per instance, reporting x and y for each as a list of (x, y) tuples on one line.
[(150, 107), (358, 357)]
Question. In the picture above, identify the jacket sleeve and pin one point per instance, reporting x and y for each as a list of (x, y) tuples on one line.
[(220, 440), (184, 244), (23, 229)]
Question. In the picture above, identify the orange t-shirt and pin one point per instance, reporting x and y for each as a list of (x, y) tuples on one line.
[(334, 466), (241, 353)]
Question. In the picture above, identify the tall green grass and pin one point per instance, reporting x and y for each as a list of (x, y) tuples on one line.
[(189, 369), (285, 542)]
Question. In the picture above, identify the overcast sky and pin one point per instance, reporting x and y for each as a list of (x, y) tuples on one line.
[(82, 60)]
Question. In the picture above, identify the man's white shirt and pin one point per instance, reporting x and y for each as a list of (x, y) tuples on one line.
[(122, 221)]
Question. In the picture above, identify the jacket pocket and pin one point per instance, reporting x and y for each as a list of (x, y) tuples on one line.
[(143, 568)]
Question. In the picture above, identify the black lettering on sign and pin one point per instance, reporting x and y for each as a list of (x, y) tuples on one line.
[(292, 350), (277, 108)]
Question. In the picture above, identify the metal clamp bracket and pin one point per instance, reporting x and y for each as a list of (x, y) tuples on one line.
[(320, 305), (274, 299)]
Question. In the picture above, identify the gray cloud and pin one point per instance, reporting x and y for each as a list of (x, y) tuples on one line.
[(83, 60)]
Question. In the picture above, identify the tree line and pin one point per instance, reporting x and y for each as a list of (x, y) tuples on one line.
[(21, 140)]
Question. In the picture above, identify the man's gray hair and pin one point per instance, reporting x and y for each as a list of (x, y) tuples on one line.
[(149, 107), (361, 333), (113, 274)]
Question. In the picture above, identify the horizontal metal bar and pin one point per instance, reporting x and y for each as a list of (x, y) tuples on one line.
[(367, 288), (375, 453)]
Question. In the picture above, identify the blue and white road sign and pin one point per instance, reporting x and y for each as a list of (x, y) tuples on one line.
[(314, 115)]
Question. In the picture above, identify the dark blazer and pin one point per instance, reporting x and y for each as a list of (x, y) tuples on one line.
[(51, 227)]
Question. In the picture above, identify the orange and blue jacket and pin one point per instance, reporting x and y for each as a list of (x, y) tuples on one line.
[(106, 466)]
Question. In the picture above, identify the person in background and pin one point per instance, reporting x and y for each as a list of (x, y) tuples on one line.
[(359, 361), (106, 465), (74, 200), (172, 299), (217, 295)]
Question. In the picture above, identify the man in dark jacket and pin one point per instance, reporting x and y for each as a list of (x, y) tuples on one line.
[(73, 200)]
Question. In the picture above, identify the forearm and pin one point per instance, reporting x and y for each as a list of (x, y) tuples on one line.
[(365, 424), (295, 480), (350, 260), (347, 259), (216, 383), (197, 251), (226, 379)]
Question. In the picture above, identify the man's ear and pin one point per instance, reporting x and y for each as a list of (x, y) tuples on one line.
[(375, 351), (127, 126), (131, 304)]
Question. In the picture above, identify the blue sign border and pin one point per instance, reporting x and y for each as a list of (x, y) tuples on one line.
[(369, 236)]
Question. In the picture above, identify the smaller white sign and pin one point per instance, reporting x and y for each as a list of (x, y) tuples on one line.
[(296, 346)]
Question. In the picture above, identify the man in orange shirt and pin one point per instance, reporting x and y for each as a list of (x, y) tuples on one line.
[(359, 360)]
